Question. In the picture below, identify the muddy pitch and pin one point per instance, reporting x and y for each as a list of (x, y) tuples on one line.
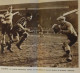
[(44, 51)]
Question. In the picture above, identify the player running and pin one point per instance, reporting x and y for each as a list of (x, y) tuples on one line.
[(20, 30), (67, 29)]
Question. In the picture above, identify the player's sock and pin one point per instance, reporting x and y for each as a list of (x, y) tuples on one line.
[(9, 46), (21, 41), (2, 48), (69, 58)]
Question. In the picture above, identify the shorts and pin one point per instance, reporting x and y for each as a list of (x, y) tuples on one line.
[(16, 30), (72, 39), (6, 28)]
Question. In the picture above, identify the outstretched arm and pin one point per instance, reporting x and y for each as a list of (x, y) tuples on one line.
[(15, 13), (24, 29), (20, 26), (54, 26)]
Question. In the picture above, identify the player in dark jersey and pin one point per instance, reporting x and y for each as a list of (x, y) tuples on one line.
[(20, 30), (67, 29)]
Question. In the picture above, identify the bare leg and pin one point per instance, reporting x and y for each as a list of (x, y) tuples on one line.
[(68, 54), (16, 39)]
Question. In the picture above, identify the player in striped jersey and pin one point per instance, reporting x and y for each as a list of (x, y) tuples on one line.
[(20, 30)]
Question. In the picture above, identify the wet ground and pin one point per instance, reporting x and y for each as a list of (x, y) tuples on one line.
[(44, 51)]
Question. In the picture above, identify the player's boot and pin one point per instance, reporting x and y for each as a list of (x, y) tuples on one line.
[(69, 59), (18, 45)]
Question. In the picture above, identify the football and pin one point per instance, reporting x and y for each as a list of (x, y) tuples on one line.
[(56, 28)]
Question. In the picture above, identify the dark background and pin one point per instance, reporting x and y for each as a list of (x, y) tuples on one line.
[(47, 14)]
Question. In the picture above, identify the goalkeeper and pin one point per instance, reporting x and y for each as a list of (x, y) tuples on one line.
[(67, 29)]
